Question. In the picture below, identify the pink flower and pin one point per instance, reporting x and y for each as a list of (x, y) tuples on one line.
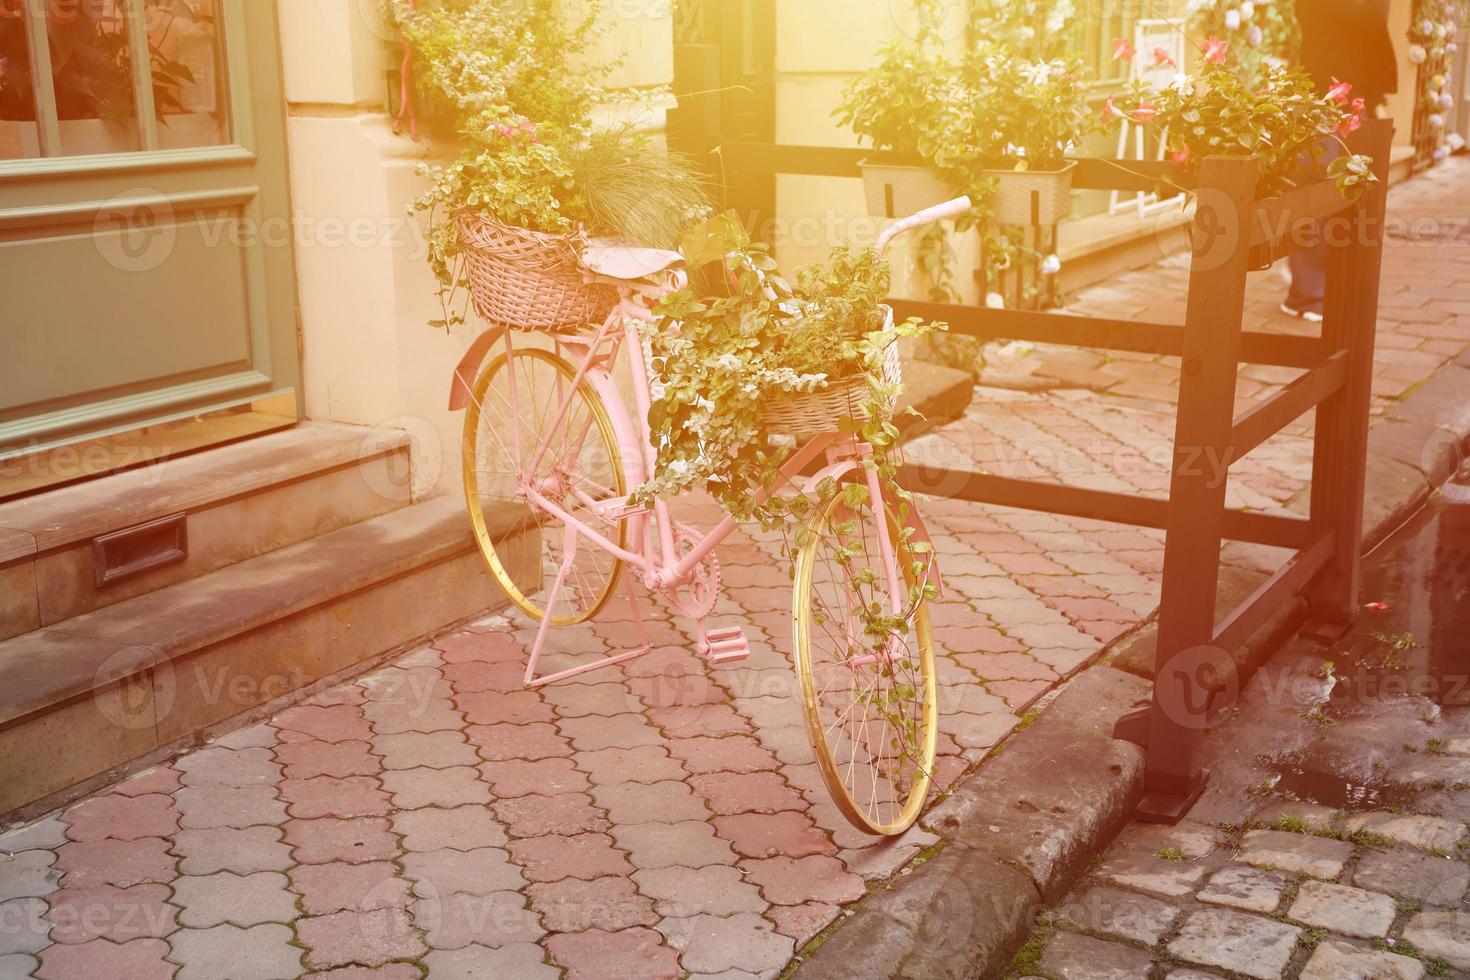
[(1215, 50), (1110, 111), (1349, 125), (1144, 114), (1360, 107), (1179, 157), (1122, 50), (1162, 57), (1339, 91), (1376, 606)]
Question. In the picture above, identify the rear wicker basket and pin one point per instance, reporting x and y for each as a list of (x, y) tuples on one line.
[(528, 280), (803, 416)]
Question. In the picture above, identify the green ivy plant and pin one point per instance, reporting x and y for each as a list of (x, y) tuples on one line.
[(521, 80)]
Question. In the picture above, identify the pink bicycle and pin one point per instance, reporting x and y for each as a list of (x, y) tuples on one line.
[(547, 432)]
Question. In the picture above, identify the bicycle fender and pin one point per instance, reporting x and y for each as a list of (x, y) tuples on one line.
[(462, 385)]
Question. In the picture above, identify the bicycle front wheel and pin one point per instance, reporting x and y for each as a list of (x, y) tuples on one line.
[(515, 439), (867, 677)]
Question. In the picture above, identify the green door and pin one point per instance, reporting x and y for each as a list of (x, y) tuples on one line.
[(145, 238)]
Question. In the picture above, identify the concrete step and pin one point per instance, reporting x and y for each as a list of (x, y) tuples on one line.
[(232, 503), (140, 679)]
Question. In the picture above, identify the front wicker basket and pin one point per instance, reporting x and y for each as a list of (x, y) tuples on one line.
[(805, 415), (528, 280)]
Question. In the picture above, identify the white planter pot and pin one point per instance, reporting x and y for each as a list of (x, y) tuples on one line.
[(1026, 197), (19, 140), (899, 190)]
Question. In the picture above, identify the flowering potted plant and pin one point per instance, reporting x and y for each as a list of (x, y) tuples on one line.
[(920, 110), (1279, 118), (534, 179)]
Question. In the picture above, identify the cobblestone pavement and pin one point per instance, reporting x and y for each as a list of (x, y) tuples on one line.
[(1332, 842), (659, 817)]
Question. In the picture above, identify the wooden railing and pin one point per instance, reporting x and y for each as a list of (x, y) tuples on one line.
[(1232, 233)]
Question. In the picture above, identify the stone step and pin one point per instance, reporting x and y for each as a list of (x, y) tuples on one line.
[(140, 679), (236, 501)]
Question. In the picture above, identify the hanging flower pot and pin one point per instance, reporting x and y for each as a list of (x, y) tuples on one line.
[(1032, 197), (897, 188)]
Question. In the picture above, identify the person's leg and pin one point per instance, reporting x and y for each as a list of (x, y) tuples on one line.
[(1309, 265)]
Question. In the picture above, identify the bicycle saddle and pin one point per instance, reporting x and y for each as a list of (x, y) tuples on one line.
[(629, 262)]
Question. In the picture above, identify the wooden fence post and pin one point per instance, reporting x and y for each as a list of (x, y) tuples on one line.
[(1350, 322), (1183, 680)]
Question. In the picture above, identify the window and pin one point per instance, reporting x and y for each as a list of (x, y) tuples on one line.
[(84, 77)]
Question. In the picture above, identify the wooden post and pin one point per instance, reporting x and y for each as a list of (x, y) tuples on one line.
[(1196, 516), (1350, 323)]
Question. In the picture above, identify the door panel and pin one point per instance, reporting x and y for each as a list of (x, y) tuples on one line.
[(158, 284)]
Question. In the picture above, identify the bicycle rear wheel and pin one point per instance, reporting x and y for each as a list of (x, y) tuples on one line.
[(578, 458), (868, 683)]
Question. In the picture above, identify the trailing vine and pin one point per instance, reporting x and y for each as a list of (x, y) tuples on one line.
[(1432, 33)]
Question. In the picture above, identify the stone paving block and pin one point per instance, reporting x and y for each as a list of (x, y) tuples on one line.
[(242, 900), (802, 922), (610, 903), (463, 828), (225, 849), (597, 955), (1072, 957), (449, 872), (17, 966), (585, 856), (392, 717), (1342, 909), (644, 764), (139, 959), (340, 887), (691, 844), (27, 874), (1121, 913), (329, 839), (334, 723), (421, 786), (522, 961), (763, 835), (118, 915), (1425, 833), (364, 938), (602, 732), (710, 944), (23, 926), (111, 862), (752, 792), (496, 743), (434, 750), (312, 757), (1441, 934), (793, 881), (1231, 940), (202, 807), (1295, 853), (493, 920), (537, 816), (680, 892), (260, 736), (1244, 888), (544, 777), (262, 952), (333, 796), (1419, 877), (629, 803), (232, 767), (511, 707), (121, 817), (46, 834), (1337, 960)]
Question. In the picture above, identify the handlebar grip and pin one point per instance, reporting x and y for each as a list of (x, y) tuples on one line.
[(928, 216)]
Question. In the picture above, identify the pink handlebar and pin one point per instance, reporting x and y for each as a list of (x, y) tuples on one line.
[(940, 212)]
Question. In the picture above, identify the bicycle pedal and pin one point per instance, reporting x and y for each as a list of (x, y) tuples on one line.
[(726, 646)]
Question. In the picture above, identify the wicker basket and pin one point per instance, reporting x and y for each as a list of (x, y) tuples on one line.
[(528, 280), (810, 414), (1050, 191)]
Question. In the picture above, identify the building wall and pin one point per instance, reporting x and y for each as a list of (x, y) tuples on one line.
[(365, 292)]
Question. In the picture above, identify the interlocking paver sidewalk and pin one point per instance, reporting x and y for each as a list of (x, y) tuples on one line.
[(662, 817)]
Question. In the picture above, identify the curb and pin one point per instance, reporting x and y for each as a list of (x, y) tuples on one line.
[(1020, 830)]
